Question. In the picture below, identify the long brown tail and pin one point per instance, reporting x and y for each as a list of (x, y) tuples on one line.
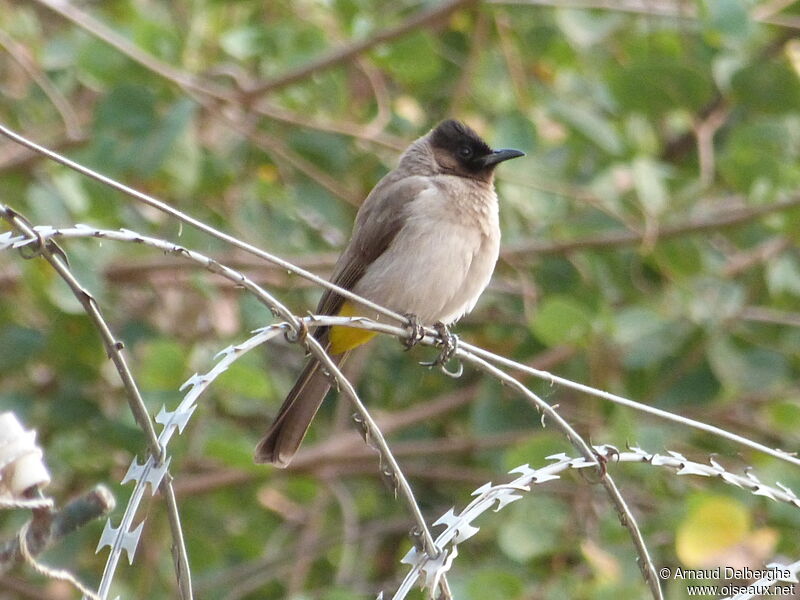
[(289, 428)]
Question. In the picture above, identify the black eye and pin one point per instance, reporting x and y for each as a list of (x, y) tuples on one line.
[(465, 152)]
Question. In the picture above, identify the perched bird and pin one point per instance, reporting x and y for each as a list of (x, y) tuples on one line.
[(425, 243)]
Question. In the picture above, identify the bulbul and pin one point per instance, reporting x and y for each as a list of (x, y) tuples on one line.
[(425, 243)]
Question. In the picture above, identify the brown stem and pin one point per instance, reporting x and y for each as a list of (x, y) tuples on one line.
[(424, 18), (616, 239)]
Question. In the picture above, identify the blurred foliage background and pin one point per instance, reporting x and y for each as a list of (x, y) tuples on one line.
[(650, 249)]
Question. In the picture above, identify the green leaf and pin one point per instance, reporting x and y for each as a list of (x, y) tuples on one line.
[(158, 144), (99, 65), (494, 584), (784, 415), (764, 150), (726, 17), (590, 124), (128, 108), (767, 87), (532, 527), (243, 388), (244, 42), (645, 336), (648, 179), (226, 444), (712, 302), (747, 369), (783, 275), (414, 59), (163, 365), (714, 525), (679, 257), (586, 28), (561, 320), (696, 387), (17, 346), (656, 86), (515, 130)]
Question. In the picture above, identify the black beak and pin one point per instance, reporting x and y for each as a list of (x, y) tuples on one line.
[(498, 156)]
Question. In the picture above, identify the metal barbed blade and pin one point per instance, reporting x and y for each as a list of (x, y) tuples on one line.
[(113, 537), (178, 417), (147, 472)]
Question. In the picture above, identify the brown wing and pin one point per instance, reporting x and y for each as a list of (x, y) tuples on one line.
[(379, 219)]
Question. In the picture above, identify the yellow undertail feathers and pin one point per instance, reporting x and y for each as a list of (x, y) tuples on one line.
[(346, 338)]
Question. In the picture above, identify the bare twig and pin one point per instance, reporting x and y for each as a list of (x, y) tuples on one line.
[(20, 55), (645, 408), (626, 517), (432, 339), (86, 21), (464, 85), (54, 256), (427, 17), (675, 9), (374, 435), (511, 54), (348, 562), (760, 254), (388, 462), (705, 130), (661, 8), (616, 239), (355, 130), (196, 223), (766, 314), (112, 345), (49, 527)]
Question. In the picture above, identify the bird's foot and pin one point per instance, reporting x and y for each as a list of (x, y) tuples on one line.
[(449, 347), (415, 331)]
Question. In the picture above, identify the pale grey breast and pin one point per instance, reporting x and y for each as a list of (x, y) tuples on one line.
[(441, 260)]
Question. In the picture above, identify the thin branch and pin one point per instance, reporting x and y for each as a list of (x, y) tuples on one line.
[(624, 513), (645, 408), (760, 254), (374, 436), (276, 147), (20, 54), (13, 156), (390, 468), (774, 316), (50, 527), (351, 531), (179, 554), (355, 130), (196, 223), (705, 130), (616, 239), (57, 260), (343, 457), (513, 59), (98, 29), (114, 347), (463, 87), (661, 8), (431, 339), (424, 18), (674, 9), (307, 539), (193, 84)]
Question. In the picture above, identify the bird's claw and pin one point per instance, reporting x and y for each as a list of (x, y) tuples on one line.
[(449, 348), (415, 331)]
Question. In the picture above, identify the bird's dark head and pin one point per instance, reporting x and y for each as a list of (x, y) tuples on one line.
[(458, 150)]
